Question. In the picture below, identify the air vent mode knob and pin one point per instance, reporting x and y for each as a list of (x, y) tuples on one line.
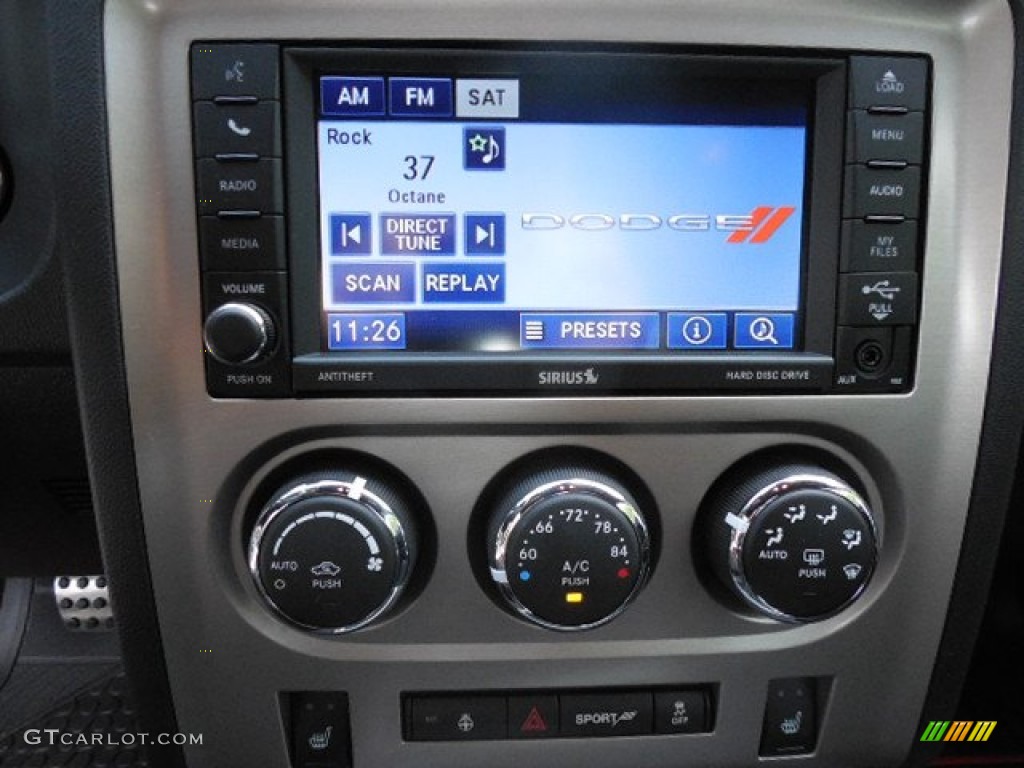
[(796, 543), (236, 333), (569, 547), (333, 551)]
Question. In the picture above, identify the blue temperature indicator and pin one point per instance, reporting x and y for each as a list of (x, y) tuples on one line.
[(364, 331)]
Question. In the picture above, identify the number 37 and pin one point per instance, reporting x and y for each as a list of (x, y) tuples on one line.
[(417, 167)]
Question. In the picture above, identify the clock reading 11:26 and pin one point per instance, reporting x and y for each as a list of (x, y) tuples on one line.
[(365, 331)]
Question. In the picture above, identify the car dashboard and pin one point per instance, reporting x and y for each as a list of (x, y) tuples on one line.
[(543, 383)]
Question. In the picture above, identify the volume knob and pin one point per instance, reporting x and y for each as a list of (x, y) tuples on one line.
[(237, 333)]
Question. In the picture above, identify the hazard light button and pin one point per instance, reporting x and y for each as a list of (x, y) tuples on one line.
[(532, 717)]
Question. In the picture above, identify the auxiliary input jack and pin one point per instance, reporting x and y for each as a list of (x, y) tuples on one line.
[(871, 357)]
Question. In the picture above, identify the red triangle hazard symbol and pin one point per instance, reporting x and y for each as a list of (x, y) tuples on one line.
[(534, 722)]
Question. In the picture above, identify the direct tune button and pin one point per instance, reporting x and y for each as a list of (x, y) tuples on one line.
[(333, 552), (569, 548), (237, 333), (797, 543)]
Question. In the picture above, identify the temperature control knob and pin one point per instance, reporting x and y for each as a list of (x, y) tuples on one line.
[(569, 548), (796, 542), (237, 333), (333, 551)]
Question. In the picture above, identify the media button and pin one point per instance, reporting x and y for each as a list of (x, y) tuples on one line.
[(351, 234), (229, 245), (692, 330), (763, 330), (589, 330), (376, 283), (463, 283), (352, 96), (420, 97), (417, 234), (485, 234)]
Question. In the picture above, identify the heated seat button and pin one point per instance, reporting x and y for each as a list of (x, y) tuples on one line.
[(790, 717), (235, 71), (888, 81), (251, 186), (606, 714), (237, 129), (532, 717), (456, 718), (681, 712), (320, 730)]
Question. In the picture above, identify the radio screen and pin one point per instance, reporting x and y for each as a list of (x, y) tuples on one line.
[(509, 215)]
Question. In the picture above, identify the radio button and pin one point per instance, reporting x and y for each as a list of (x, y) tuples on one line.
[(870, 246), (248, 186), (235, 71), (882, 191), (886, 137), (240, 244), (878, 298), (877, 81), (237, 129)]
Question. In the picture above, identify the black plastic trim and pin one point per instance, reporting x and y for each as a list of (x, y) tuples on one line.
[(86, 249), (998, 448)]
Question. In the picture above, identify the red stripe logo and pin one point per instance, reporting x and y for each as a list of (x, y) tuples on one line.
[(764, 223)]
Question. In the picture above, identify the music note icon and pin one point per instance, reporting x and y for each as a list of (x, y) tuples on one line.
[(484, 149)]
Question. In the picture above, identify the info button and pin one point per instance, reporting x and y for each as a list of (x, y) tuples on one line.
[(697, 330)]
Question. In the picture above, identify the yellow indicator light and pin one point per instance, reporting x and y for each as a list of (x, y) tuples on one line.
[(574, 597)]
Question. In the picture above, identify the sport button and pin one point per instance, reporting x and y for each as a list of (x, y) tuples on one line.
[(612, 714)]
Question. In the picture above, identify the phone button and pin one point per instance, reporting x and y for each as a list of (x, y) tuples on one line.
[(238, 129)]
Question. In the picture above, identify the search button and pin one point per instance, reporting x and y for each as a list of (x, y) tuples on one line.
[(764, 331)]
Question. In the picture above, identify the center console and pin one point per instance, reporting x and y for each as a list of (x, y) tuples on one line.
[(539, 385)]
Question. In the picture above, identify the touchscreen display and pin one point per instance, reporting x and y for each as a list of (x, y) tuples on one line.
[(510, 215)]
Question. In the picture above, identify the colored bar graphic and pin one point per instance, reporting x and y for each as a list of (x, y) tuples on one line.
[(958, 730), (935, 731)]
